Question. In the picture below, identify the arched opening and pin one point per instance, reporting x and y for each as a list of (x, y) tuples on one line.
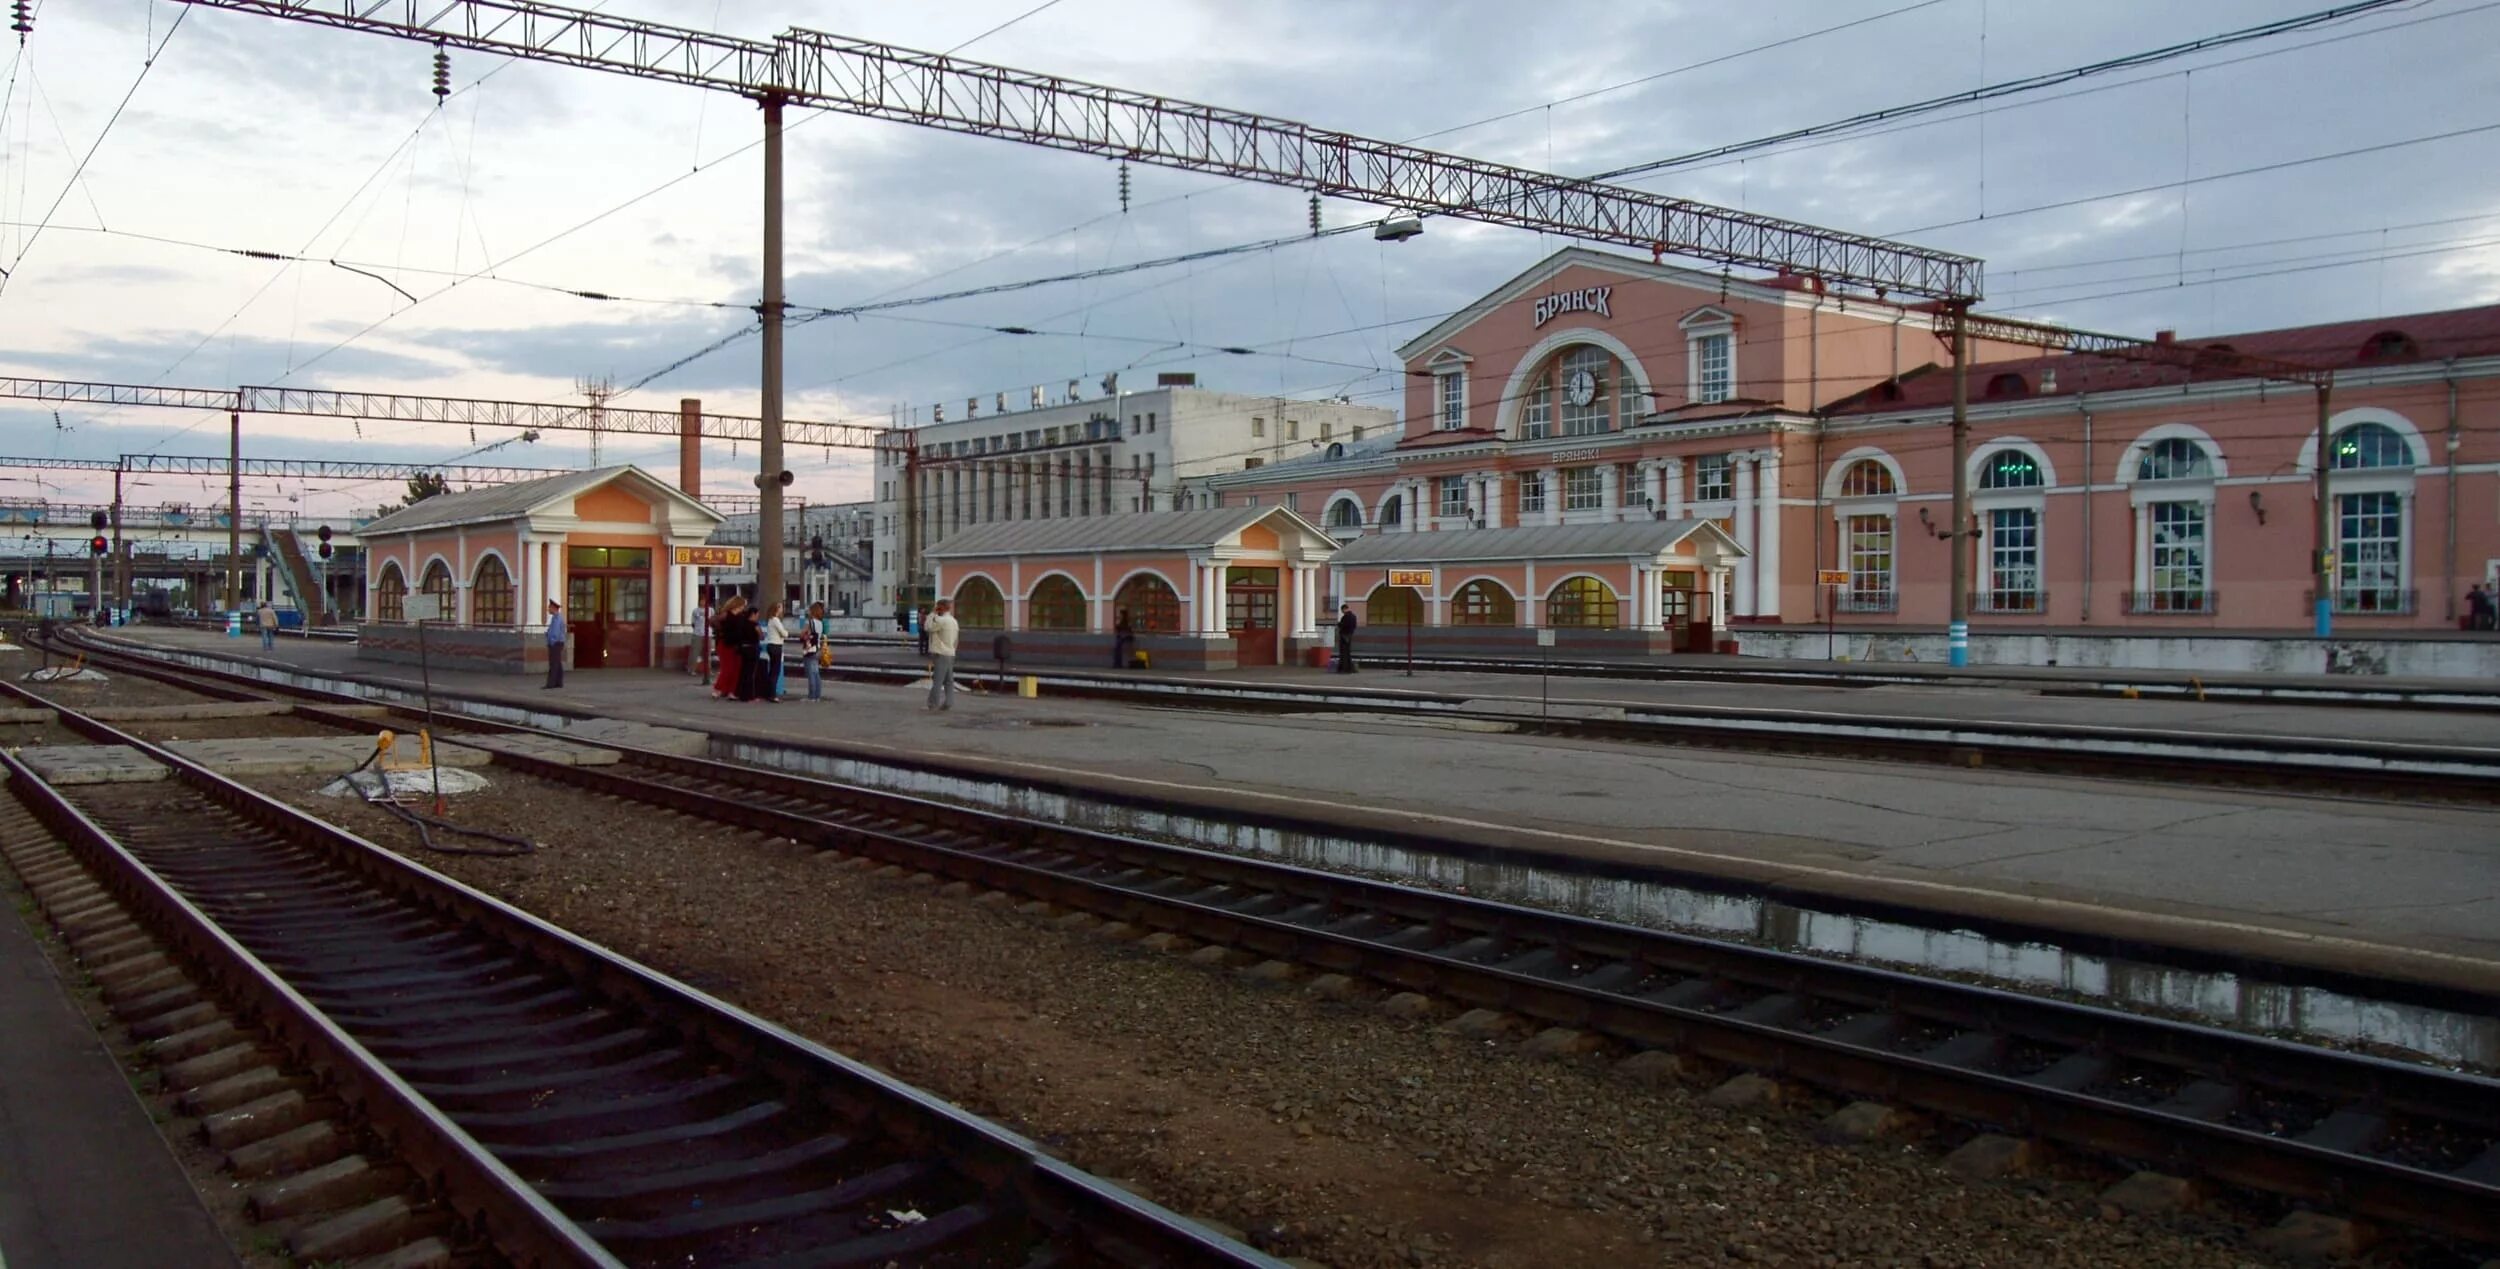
[(2010, 469), (1867, 478), (490, 594), (2370, 522), (1055, 604), (1582, 603), (1345, 513), (1482, 602), (2008, 384), (2365, 445), (1152, 605), (1393, 511), (979, 603), (438, 585), (2174, 458), (390, 594), (1394, 606), (1573, 394)]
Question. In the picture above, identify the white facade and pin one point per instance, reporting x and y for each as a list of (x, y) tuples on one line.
[(842, 585), (1134, 451)]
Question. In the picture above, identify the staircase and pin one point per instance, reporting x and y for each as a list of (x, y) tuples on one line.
[(296, 571)]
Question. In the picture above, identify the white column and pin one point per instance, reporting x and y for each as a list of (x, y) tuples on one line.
[(1215, 610), (1767, 558), (1416, 510), (1491, 484), (1674, 468), (1305, 604), (1103, 617), (1015, 593), (1553, 495), (1609, 499), (1532, 604), (1745, 536)]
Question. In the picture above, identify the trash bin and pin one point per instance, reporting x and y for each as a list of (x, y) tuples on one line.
[(1318, 657)]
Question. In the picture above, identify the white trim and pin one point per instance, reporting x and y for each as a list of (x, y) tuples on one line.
[(1707, 323), (1834, 475), (1995, 445), (2342, 419), (1442, 377), (1506, 418), (2133, 454)]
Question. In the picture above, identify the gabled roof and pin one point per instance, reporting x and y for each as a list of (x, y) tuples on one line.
[(2354, 345), (1147, 531), (518, 499), (1631, 539), (1786, 289)]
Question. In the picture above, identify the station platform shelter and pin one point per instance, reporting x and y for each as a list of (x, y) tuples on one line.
[(616, 544), (1630, 589), (1212, 589)]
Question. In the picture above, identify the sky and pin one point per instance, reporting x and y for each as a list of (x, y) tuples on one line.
[(2340, 172)]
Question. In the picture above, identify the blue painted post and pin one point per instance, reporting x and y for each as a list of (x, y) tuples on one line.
[(1957, 640)]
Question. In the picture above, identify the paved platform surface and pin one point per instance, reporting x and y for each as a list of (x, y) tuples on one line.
[(85, 1180), (2351, 880)]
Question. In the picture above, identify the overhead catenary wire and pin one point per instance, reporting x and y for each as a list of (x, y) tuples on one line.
[(107, 130)]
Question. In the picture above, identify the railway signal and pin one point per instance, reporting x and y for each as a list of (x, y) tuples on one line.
[(324, 534)]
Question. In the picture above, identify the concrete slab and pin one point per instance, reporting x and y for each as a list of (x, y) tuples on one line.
[(640, 735), (14, 716), (91, 1185), (307, 755), (560, 751), (187, 713), (91, 764)]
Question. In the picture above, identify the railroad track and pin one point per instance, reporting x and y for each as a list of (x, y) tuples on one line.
[(572, 1107), (2393, 1142)]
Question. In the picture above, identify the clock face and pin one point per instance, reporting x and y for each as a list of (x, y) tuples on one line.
[(1581, 387)]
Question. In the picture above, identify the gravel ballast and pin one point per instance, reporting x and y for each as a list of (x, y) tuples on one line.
[(1316, 1128)]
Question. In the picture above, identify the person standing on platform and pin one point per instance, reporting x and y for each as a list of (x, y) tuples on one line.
[(1123, 641), (815, 650), (751, 666), (777, 636), (938, 633), (266, 617), (924, 629), (1346, 625), (555, 644), (725, 642), (2482, 610)]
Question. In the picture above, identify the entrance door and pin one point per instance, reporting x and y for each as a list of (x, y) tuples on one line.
[(1250, 614), (611, 622)]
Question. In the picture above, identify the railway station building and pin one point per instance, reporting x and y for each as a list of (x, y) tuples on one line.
[(607, 542), (1211, 589), (2113, 498)]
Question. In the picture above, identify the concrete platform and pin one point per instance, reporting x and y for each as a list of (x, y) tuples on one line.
[(67, 765), (309, 755), (565, 752), (85, 1180), (2358, 884)]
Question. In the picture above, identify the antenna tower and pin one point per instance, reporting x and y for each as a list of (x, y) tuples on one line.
[(597, 391)]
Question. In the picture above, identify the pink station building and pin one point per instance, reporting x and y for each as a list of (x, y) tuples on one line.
[(1649, 458)]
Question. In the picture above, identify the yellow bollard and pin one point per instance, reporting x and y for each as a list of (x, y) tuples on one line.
[(1028, 687), (2128, 693)]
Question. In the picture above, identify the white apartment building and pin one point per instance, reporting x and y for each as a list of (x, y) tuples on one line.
[(840, 580), (1126, 452)]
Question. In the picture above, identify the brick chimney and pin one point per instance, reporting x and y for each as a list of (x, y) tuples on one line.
[(690, 446), (2165, 337)]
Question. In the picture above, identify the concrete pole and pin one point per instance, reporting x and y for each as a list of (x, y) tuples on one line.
[(121, 552), (768, 584), (2322, 543), (234, 509), (1957, 635)]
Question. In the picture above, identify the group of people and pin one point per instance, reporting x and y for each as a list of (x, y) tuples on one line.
[(754, 647), (2482, 608)]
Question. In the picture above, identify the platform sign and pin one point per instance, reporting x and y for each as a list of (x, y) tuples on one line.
[(709, 556), (1831, 576), (1419, 578)]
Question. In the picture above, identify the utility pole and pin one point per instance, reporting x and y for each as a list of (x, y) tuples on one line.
[(2323, 544), (234, 510), (121, 552), (768, 483), (1957, 635)]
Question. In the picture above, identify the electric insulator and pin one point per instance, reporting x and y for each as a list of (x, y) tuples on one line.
[(21, 19), (1315, 215), (1124, 185), (442, 75)]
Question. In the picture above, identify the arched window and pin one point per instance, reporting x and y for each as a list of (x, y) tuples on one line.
[(979, 603), (1056, 604), (2371, 445), (1572, 394), (1393, 511), (1153, 606), (1394, 606), (1581, 603), (390, 595), (2008, 384), (1345, 513), (490, 594), (1867, 478), (438, 584), (2010, 469), (1483, 603), (2174, 458)]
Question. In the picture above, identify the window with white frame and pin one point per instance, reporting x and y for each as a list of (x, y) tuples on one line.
[(1869, 539), (1453, 495), (1258, 426), (1714, 478), (1587, 375), (1710, 356), (1584, 488), (2013, 559), (1452, 414), (1635, 491), (1393, 511), (2369, 553), (2175, 558), (1532, 492), (1536, 410)]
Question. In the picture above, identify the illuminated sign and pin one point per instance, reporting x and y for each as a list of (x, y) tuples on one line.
[(709, 556), (1420, 578)]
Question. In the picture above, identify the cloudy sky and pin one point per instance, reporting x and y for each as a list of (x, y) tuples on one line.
[(2342, 171)]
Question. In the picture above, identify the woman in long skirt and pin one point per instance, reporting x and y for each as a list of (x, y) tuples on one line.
[(725, 645)]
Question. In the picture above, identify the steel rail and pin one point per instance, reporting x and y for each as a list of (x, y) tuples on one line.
[(1064, 1205), (1571, 971)]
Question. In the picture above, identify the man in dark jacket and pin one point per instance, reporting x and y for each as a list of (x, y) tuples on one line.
[(2479, 608), (1345, 639)]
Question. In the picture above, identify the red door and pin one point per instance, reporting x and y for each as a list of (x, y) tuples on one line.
[(1250, 614)]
